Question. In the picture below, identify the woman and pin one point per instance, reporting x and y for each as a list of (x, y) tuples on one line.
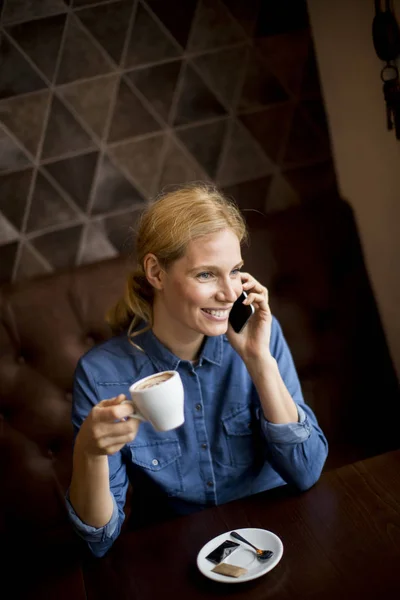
[(246, 428)]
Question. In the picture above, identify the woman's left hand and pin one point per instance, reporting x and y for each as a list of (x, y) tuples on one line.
[(253, 342)]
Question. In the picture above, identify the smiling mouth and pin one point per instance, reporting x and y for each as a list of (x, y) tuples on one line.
[(216, 313)]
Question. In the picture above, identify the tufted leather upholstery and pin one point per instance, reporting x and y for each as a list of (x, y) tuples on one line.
[(309, 258), (46, 325)]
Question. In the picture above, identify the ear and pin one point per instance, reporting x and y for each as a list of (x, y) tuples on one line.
[(154, 272)]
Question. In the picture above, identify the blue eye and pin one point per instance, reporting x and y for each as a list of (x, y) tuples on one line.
[(208, 275)]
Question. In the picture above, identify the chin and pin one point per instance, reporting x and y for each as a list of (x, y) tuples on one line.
[(209, 328), (217, 329)]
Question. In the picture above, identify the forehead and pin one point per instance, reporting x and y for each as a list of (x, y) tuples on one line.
[(215, 248)]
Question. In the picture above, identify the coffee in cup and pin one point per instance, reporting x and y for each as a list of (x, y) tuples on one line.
[(152, 381), (159, 399)]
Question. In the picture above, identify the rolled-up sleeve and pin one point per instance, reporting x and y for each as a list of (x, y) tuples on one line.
[(89, 533), (297, 451), (287, 433)]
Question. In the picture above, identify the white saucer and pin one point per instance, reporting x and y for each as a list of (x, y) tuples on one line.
[(243, 556)]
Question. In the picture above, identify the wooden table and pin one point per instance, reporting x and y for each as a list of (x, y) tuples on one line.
[(341, 540)]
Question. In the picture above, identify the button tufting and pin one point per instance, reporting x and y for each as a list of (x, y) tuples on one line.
[(21, 360), (54, 448), (90, 340), (68, 396)]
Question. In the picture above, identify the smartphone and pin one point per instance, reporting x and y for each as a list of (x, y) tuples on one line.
[(240, 313), (222, 552)]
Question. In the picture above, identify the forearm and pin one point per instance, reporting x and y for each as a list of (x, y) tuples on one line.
[(89, 492), (297, 447), (276, 402)]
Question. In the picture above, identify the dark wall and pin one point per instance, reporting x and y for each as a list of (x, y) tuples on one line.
[(104, 103)]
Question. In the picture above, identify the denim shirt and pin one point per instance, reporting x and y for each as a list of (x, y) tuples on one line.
[(225, 449)]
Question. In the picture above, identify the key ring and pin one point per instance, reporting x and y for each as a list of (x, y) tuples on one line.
[(387, 67)]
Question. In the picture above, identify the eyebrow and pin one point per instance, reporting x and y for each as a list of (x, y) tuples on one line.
[(214, 267)]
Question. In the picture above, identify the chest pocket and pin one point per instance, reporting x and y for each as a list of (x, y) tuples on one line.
[(239, 437), (161, 462)]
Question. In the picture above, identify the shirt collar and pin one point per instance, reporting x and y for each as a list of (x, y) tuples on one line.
[(165, 360)]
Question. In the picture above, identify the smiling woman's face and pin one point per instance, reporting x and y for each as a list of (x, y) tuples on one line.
[(200, 288)]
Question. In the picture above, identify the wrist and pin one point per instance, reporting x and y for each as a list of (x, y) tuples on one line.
[(83, 453), (261, 364)]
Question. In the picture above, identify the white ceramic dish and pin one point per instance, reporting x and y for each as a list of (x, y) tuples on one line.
[(244, 556)]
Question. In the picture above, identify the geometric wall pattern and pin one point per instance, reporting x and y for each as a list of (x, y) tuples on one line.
[(105, 103)]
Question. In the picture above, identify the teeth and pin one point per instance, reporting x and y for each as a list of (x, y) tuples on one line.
[(216, 313)]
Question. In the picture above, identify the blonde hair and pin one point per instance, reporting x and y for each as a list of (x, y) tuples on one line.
[(165, 228)]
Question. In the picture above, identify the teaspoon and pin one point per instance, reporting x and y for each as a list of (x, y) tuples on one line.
[(261, 554)]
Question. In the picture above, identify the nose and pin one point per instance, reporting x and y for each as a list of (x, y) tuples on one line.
[(227, 292)]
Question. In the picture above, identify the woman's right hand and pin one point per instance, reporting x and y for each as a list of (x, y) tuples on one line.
[(104, 431)]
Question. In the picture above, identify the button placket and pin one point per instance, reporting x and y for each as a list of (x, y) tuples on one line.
[(198, 411)]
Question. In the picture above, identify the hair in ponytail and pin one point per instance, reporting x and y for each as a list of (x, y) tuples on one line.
[(165, 228)]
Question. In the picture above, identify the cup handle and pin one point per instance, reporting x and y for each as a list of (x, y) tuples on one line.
[(136, 414)]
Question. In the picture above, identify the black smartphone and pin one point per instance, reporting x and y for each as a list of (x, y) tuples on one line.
[(240, 313), (222, 552)]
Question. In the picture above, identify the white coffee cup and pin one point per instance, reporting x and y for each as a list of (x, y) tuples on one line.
[(159, 399)]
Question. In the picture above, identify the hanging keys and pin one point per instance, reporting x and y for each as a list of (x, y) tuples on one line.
[(391, 91), (386, 38)]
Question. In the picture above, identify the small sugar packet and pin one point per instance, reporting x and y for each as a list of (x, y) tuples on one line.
[(229, 570)]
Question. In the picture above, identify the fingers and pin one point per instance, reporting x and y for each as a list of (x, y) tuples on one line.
[(108, 443), (105, 430), (256, 293), (260, 302), (115, 409), (118, 433), (112, 401), (116, 428), (256, 297), (113, 449), (248, 280), (249, 283)]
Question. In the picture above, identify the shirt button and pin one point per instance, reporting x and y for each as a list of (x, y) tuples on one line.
[(198, 406), (210, 483), (204, 446), (154, 462)]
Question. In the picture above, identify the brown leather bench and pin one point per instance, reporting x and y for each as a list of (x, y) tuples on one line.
[(310, 259)]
